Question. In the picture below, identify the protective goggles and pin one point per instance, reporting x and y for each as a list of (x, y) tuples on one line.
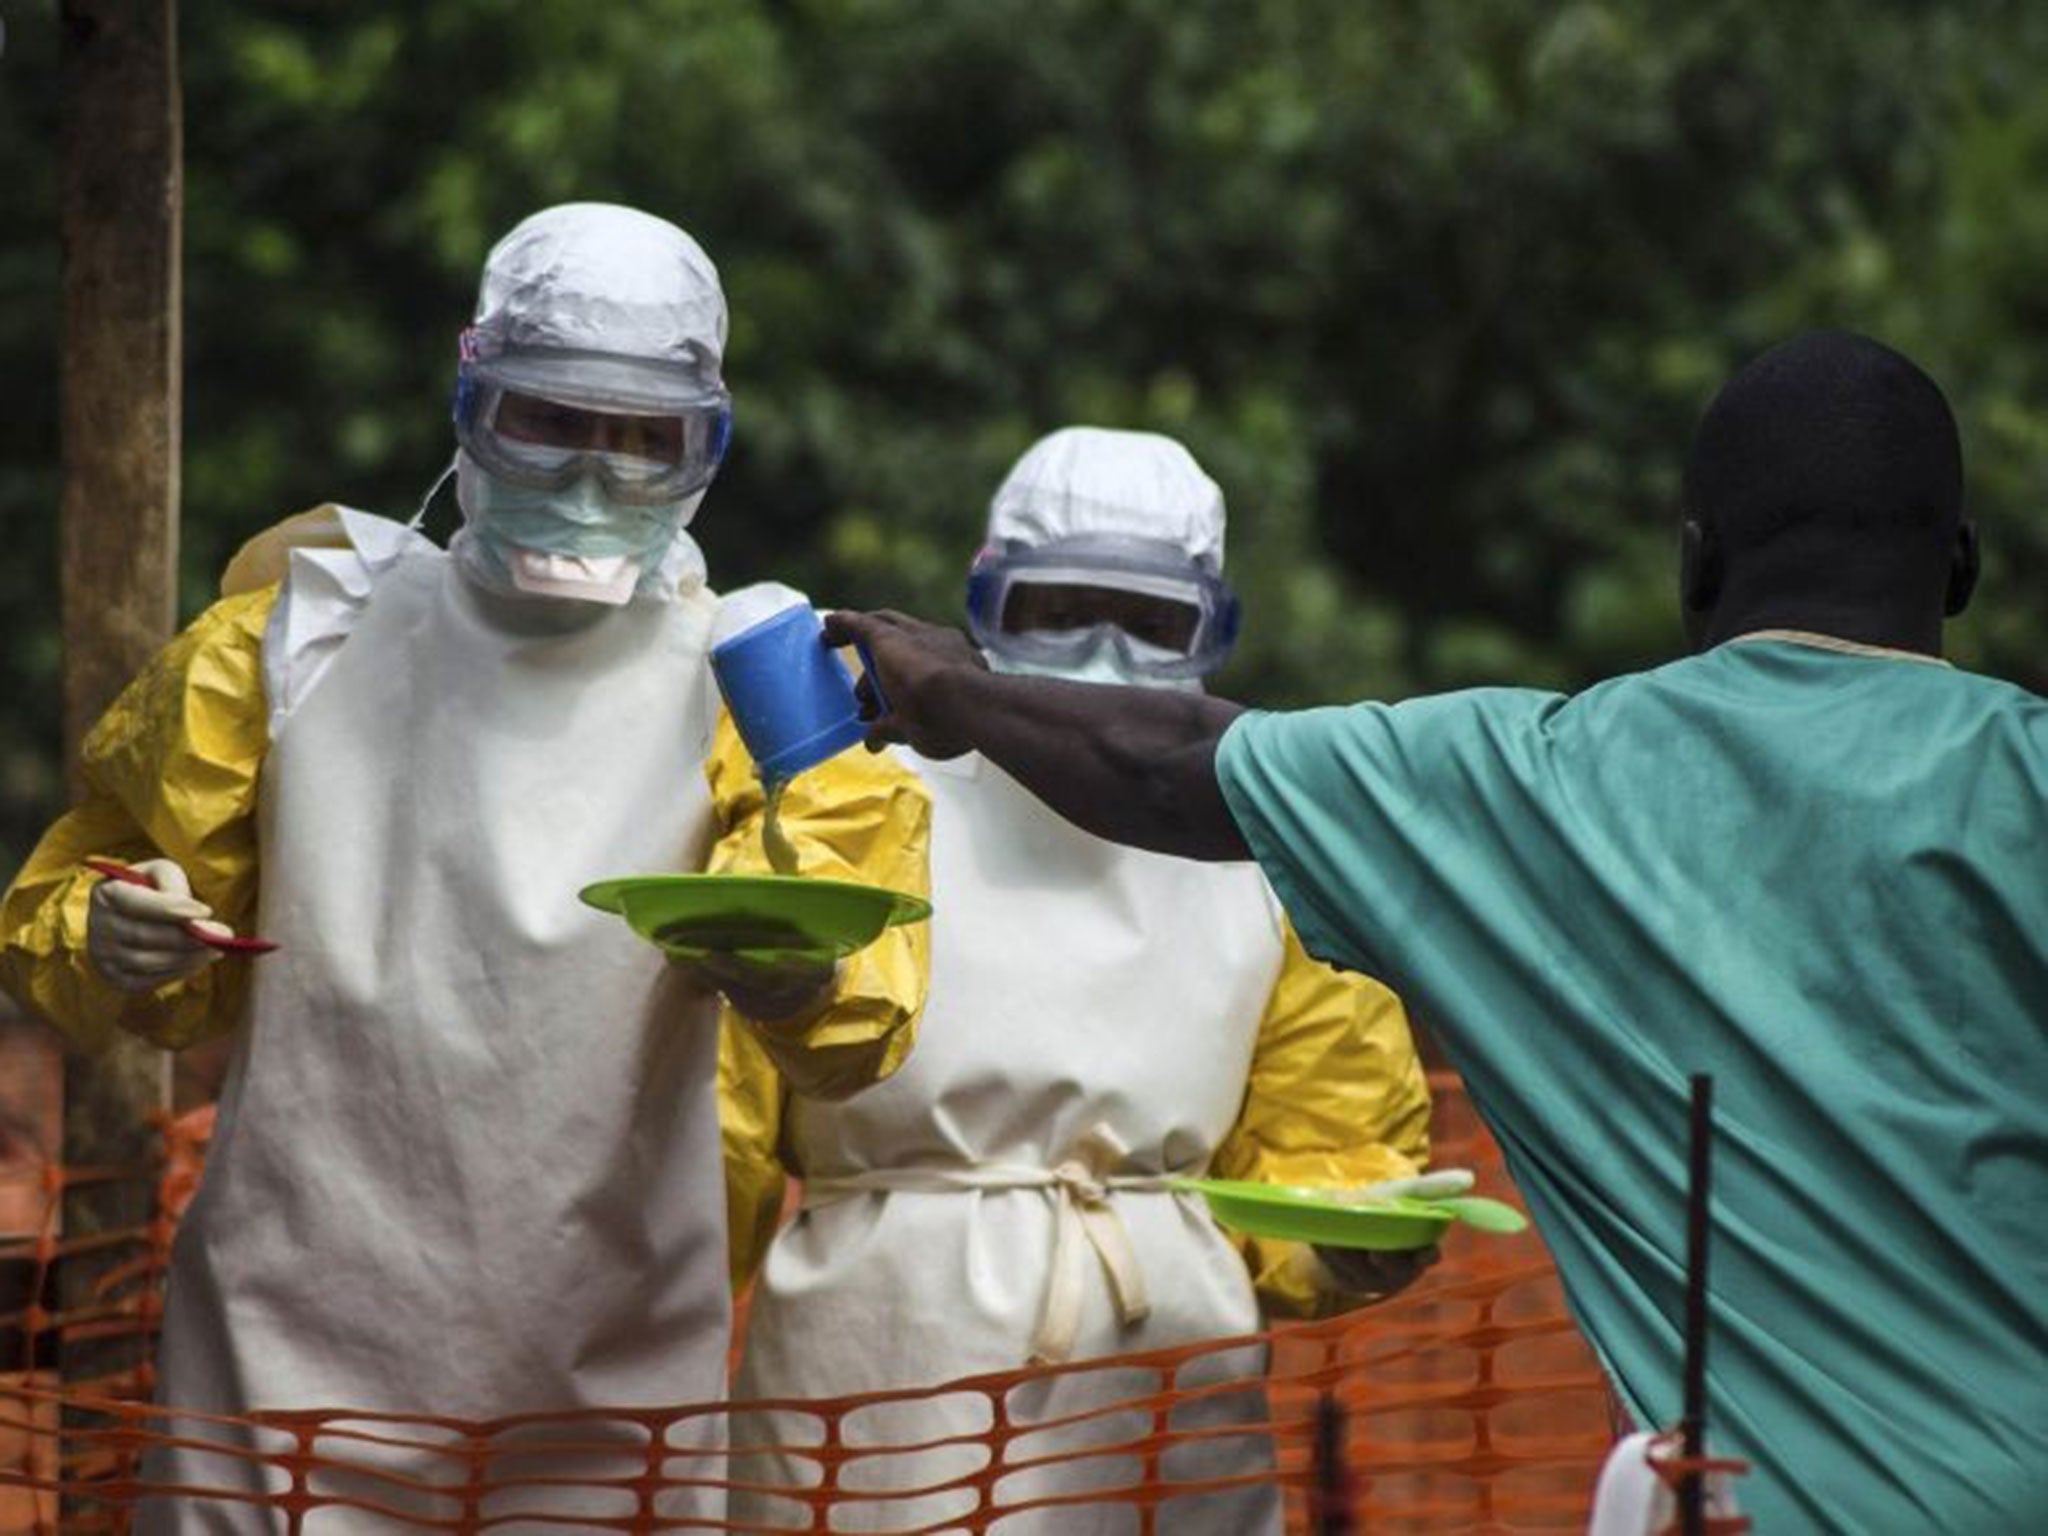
[(1050, 604), (649, 434)]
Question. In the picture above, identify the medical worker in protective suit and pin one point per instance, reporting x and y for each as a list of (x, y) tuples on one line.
[(1102, 1020), (466, 1160)]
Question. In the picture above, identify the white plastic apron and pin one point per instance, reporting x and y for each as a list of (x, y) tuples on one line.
[(1083, 997), (467, 1155)]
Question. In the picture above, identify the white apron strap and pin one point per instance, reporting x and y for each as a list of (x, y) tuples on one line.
[(1082, 1211), (1080, 1186)]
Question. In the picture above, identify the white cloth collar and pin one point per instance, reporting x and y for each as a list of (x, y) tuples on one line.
[(1837, 643)]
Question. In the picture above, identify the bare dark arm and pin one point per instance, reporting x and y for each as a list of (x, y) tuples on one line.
[(1131, 765)]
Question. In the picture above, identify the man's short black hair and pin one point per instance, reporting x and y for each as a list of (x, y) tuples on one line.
[(1830, 433)]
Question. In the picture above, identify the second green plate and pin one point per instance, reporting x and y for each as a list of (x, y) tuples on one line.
[(1306, 1216), (754, 915)]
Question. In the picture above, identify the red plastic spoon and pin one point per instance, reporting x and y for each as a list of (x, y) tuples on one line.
[(233, 944)]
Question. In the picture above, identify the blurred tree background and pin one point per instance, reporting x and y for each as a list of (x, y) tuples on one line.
[(1435, 290)]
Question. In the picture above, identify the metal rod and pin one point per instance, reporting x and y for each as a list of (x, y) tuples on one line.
[(1699, 1177), (1330, 1513)]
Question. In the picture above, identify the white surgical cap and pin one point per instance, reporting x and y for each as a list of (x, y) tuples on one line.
[(1093, 480), (599, 278)]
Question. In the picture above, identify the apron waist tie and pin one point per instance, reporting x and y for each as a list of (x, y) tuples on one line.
[(1084, 1217)]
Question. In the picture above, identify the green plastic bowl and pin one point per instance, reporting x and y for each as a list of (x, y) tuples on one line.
[(760, 917)]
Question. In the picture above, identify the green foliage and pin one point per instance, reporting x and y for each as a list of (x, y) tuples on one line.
[(1436, 291)]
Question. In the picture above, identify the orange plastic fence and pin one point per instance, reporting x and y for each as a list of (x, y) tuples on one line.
[(1469, 1404)]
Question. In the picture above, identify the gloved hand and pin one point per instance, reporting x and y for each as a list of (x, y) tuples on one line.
[(773, 993), (135, 937), (1370, 1272)]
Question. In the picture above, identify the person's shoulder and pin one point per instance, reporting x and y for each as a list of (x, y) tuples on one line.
[(235, 618), (325, 563), (2002, 694), (207, 672), (1927, 679), (320, 568), (2014, 713), (1728, 673), (229, 626), (341, 535)]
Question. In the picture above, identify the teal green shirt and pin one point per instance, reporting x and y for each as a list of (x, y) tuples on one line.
[(1821, 877)]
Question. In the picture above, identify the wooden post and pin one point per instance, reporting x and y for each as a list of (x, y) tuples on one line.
[(121, 338), (123, 149)]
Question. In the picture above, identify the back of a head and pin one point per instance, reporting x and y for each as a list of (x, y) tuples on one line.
[(1831, 461)]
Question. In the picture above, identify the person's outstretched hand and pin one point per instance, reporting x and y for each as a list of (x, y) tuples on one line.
[(794, 988), (1365, 1272), (912, 661)]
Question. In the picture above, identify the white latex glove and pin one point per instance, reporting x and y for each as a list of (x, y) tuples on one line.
[(135, 936), (1369, 1272), (1632, 1500)]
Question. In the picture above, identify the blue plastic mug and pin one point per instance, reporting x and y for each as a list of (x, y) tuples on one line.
[(789, 693)]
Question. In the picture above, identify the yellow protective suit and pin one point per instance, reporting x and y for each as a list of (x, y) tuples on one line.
[(172, 769), (1335, 1097)]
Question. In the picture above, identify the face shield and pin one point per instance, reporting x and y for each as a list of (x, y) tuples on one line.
[(1058, 607)]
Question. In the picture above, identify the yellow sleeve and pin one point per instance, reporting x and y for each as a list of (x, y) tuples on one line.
[(170, 771), (750, 1100), (859, 816), (1336, 1098)]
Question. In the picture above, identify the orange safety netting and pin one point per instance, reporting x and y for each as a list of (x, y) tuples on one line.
[(1467, 1404)]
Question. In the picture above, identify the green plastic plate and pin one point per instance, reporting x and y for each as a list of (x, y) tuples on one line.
[(1311, 1216), (760, 917)]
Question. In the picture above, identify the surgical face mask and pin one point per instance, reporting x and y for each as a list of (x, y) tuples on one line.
[(578, 542), (1109, 656)]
